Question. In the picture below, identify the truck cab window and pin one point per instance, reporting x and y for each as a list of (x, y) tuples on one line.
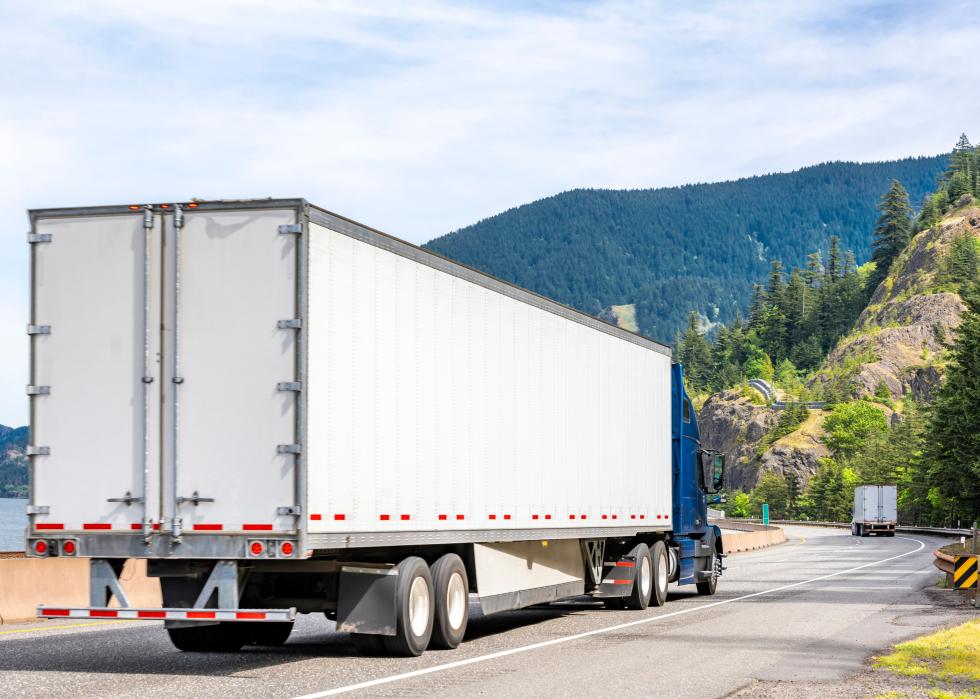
[(687, 410)]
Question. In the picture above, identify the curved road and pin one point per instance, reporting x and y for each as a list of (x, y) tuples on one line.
[(812, 609)]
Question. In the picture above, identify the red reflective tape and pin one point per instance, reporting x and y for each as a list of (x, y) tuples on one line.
[(96, 525), (112, 613), (658, 516), (339, 518), (493, 516), (625, 564), (622, 582), (48, 525), (443, 517), (316, 518), (250, 615), (547, 516), (506, 516), (571, 516), (208, 527), (632, 516), (605, 516), (257, 527), (384, 518), (406, 517), (460, 516), (145, 614), (581, 516), (56, 612), (534, 516), (615, 516), (643, 516), (200, 615)]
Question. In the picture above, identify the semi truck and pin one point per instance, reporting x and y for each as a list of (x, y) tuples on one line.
[(875, 510), (286, 412)]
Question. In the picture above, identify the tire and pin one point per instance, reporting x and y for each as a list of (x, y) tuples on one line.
[(368, 644), (862, 532), (709, 586), (661, 574), (452, 602), (414, 609), (265, 633), (639, 596), (214, 638)]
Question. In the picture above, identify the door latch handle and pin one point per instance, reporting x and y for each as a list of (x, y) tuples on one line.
[(128, 498), (194, 499)]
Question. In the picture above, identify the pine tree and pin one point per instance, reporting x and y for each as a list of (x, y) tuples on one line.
[(954, 426), (834, 264), (774, 289), (695, 354), (758, 306), (892, 231)]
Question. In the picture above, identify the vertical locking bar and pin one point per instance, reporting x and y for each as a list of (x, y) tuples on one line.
[(147, 379), (176, 379)]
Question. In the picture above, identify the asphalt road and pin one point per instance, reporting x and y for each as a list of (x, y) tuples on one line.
[(810, 610)]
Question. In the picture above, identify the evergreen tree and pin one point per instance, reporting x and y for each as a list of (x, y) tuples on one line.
[(835, 266), (954, 426), (695, 354), (814, 269), (774, 289), (892, 231)]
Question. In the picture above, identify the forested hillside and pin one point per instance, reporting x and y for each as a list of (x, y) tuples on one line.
[(667, 251), (900, 386), (13, 462)]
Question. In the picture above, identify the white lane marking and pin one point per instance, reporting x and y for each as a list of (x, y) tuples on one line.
[(585, 634)]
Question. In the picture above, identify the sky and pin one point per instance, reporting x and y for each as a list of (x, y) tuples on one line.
[(419, 118)]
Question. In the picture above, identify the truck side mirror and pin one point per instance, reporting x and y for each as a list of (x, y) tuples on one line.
[(712, 471)]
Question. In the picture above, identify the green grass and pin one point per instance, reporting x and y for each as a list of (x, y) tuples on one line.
[(950, 654)]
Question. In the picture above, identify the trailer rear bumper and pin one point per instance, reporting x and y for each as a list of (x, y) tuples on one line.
[(168, 614)]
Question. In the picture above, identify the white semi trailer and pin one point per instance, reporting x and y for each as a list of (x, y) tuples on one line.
[(287, 412), (875, 510)]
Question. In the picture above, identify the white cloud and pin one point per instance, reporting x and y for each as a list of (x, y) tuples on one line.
[(422, 117)]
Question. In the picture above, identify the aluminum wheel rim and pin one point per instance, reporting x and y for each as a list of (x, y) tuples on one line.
[(662, 573), (645, 577), (455, 601), (418, 606)]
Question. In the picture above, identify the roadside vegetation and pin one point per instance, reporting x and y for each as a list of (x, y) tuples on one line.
[(947, 662), (796, 321)]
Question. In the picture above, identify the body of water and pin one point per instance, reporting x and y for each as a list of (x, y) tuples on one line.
[(13, 521)]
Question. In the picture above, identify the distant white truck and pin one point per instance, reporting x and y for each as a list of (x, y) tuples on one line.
[(875, 510)]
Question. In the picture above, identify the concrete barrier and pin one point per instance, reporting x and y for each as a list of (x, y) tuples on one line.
[(750, 536), (27, 582)]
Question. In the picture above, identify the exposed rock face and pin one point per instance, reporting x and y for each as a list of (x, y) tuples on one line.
[(899, 338), (737, 427)]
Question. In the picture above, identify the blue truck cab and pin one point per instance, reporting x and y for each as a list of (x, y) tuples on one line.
[(697, 473)]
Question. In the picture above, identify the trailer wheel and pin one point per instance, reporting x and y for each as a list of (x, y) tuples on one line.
[(639, 596), (862, 531), (452, 596), (414, 609), (661, 573), (265, 633), (709, 586), (214, 638)]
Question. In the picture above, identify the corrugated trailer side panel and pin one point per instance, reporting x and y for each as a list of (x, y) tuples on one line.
[(437, 404)]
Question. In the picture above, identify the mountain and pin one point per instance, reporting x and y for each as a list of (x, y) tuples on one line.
[(13, 462), (895, 353), (655, 254)]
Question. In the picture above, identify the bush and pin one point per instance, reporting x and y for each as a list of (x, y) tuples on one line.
[(772, 489), (850, 425)]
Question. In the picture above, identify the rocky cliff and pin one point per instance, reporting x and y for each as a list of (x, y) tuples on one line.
[(899, 340), (741, 429), (13, 462)]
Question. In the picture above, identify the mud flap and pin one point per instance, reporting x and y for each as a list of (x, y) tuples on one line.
[(366, 600)]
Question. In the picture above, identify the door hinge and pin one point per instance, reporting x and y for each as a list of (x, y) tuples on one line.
[(289, 386), (194, 499), (291, 324), (178, 216), (38, 390), (38, 329), (38, 237), (38, 510), (37, 451), (147, 217), (291, 228), (289, 510), (128, 498), (289, 449)]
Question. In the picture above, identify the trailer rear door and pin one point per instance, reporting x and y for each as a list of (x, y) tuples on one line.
[(94, 371), (231, 367)]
